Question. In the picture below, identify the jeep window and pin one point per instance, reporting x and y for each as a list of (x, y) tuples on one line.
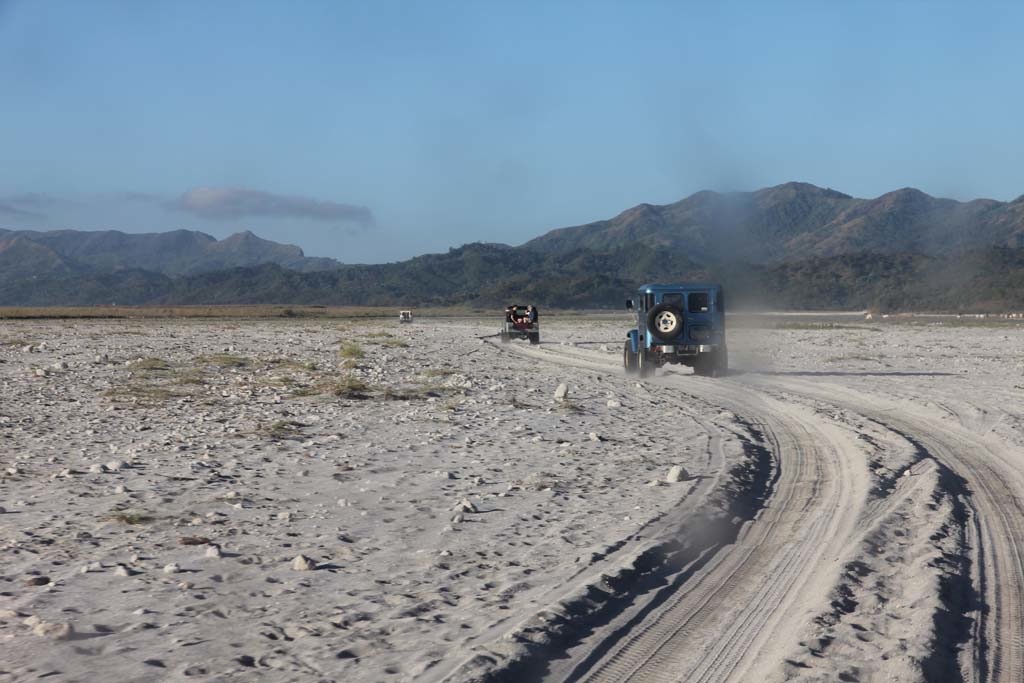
[(699, 302), (648, 301), (672, 299)]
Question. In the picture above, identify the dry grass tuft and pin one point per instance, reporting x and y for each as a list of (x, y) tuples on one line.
[(151, 364), (351, 350), (285, 429), (131, 517), (349, 387), (224, 360), (346, 387), (292, 364)]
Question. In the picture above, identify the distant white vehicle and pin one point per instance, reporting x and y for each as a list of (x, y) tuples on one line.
[(405, 316)]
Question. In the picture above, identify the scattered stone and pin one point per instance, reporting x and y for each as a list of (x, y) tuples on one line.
[(91, 567), (465, 505), (284, 516), (37, 581), (296, 631), (58, 631), (213, 551), (676, 474), (172, 568), (561, 392), (115, 465), (301, 563), (612, 403), (122, 570), (594, 436)]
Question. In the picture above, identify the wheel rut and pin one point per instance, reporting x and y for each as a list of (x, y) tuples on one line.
[(979, 633), (985, 473), (717, 624)]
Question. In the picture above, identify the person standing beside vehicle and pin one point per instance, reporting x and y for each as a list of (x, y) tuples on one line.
[(531, 314)]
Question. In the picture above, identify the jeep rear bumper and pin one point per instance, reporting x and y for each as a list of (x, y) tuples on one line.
[(683, 349)]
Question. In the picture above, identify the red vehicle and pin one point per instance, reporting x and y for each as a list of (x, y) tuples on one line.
[(520, 323)]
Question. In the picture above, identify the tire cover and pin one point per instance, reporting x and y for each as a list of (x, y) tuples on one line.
[(660, 314)]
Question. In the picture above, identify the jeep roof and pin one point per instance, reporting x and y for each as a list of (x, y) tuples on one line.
[(660, 288)]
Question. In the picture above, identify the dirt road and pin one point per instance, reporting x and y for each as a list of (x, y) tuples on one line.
[(886, 509)]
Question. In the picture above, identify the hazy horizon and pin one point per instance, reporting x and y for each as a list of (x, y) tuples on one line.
[(372, 134)]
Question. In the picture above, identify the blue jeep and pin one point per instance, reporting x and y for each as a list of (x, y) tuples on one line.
[(683, 324)]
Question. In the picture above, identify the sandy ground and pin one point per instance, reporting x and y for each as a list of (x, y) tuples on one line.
[(294, 500)]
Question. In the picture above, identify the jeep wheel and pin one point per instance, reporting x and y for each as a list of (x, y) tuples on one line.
[(644, 365), (665, 322), (629, 358), (535, 338)]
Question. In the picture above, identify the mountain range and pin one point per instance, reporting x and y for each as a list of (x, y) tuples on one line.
[(793, 245), (796, 221), (175, 253)]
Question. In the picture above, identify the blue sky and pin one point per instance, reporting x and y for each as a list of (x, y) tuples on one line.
[(377, 131)]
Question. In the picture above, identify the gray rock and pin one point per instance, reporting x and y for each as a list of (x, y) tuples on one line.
[(58, 631), (301, 563), (561, 392), (677, 473)]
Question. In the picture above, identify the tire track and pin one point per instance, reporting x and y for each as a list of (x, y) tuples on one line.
[(994, 487), (718, 624)]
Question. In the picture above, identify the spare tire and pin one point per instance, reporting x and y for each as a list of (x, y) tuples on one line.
[(665, 322)]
